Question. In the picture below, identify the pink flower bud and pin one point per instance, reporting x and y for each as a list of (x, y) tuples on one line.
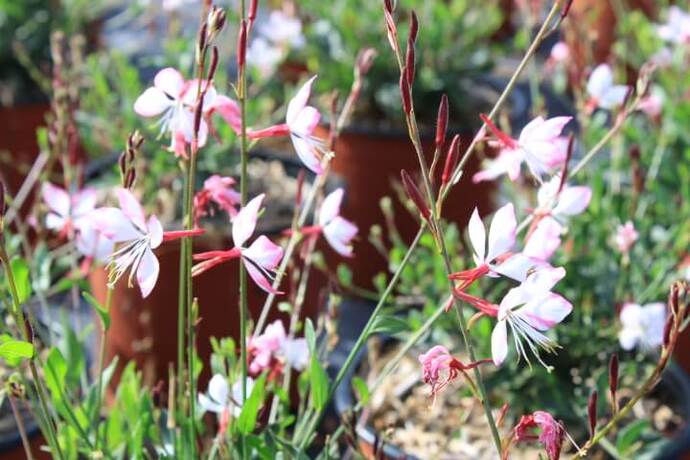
[(451, 159), (592, 412), (414, 27), (668, 328), (613, 375), (409, 63), (214, 64), (242, 45), (414, 194), (251, 15), (405, 92), (388, 5), (442, 121)]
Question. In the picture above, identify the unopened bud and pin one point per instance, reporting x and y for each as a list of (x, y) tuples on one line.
[(242, 45), (216, 21), (409, 63), (673, 298), (592, 412), (405, 92), (197, 118), (214, 64), (201, 42), (566, 9), (388, 5), (645, 77), (442, 121), (130, 178), (414, 194), (452, 158), (365, 59), (613, 375), (251, 14), (414, 27), (668, 328), (3, 205)]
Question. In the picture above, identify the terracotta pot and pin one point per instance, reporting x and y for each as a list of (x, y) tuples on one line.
[(369, 163), (591, 30), (145, 330)]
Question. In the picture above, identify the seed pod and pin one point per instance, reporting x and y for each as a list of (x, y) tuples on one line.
[(613, 375), (451, 159), (242, 45), (592, 412), (405, 92), (442, 121), (414, 194), (414, 27)]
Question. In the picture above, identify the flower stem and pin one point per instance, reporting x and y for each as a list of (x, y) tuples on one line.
[(20, 426), (99, 370)]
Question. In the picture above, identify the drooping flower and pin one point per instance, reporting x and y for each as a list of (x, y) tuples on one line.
[(137, 237), (260, 258), (67, 211), (223, 400), (643, 325), (338, 231), (528, 310), (439, 368), (173, 98), (228, 109), (540, 145), (300, 122), (602, 92), (220, 191), (274, 346), (625, 237), (551, 436), (677, 27)]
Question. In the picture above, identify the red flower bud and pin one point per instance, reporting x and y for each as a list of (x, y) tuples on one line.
[(566, 9), (3, 205), (242, 45), (197, 118), (405, 92), (214, 64), (251, 15), (409, 63), (613, 375), (568, 156), (414, 27), (592, 412), (442, 121), (452, 158), (414, 194), (388, 5), (668, 327)]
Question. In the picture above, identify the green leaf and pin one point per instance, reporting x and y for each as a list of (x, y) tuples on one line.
[(102, 312), (629, 435), (318, 381), (247, 419), (344, 275), (55, 373), (362, 390), (14, 351), (20, 273), (310, 335), (389, 325)]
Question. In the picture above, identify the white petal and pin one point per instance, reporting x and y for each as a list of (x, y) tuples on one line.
[(258, 277), (132, 209), (244, 223), (114, 225), (296, 353), (499, 343), (147, 272), (502, 232), (331, 206), (305, 121), (55, 222), (218, 389), (169, 81), (84, 202), (600, 81), (545, 239), (152, 102), (210, 406), (339, 234), (299, 101), (545, 313), (518, 266), (477, 234), (155, 230), (613, 97), (56, 198), (631, 315), (308, 153), (264, 253), (573, 200)]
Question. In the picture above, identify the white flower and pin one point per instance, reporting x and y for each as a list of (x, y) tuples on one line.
[(642, 325), (602, 91), (218, 398)]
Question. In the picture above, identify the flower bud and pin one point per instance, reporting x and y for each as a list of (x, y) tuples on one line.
[(197, 118), (405, 92), (613, 375), (3, 205), (130, 178), (668, 328), (645, 77), (414, 27), (566, 9), (216, 21), (201, 42), (673, 298), (388, 5), (592, 412), (214, 64), (242, 45), (452, 158), (251, 14), (409, 63), (442, 121), (414, 194), (365, 59)]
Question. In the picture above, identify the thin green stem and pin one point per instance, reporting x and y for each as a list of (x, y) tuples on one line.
[(99, 370)]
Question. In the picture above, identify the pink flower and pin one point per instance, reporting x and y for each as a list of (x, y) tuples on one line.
[(551, 436), (229, 110), (218, 190), (602, 92), (560, 53), (642, 325), (300, 122), (544, 240), (528, 310), (625, 237), (540, 146), (274, 345), (67, 211), (439, 368), (137, 237), (337, 230), (677, 28), (173, 98), (652, 104), (260, 258)]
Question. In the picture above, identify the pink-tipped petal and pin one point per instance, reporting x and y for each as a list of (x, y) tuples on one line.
[(244, 223), (545, 313), (545, 239), (499, 343), (330, 208), (264, 253), (57, 199), (113, 224), (573, 201), (169, 81), (230, 111), (132, 208), (152, 102), (147, 272), (502, 232), (259, 277), (308, 153), (299, 101), (305, 122), (339, 234)]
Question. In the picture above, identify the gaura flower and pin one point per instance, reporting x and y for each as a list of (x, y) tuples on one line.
[(559, 53), (137, 238), (439, 368), (677, 28), (551, 436), (625, 237), (282, 30), (223, 400), (642, 325), (220, 191), (540, 145), (530, 309), (602, 92), (260, 258), (228, 109), (337, 230), (274, 345), (300, 122), (173, 99), (67, 212)]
